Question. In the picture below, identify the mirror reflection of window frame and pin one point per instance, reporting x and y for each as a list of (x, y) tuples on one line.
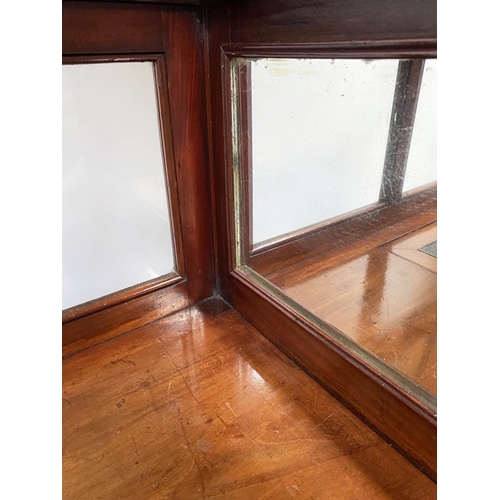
[(404, 107), (397, 146)]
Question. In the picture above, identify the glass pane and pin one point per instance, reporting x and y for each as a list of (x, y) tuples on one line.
[(325, 223), (422, 160), (116, 221), (319, 133)]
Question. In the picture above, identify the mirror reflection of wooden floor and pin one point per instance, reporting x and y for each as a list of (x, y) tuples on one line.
[(380, 291), (200, 405)]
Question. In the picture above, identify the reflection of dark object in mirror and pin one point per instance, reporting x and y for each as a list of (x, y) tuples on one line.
[(430, 249)]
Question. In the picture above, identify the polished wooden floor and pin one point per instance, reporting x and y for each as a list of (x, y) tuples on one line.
[(381, 291), (199, 405)]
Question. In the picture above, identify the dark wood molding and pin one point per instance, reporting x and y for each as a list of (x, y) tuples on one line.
[(109, 58), (324, 21), (119, 297), (401, 418), (217, 32), (389, 49), (404, 109), (171, 183), (186, 86), (169, 37), (108, 323), (194, 77), (181, 3), (107, 28), (420, 206)]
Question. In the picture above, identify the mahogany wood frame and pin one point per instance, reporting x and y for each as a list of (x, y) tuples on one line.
[(171, 39), (161, 2), (259, 29), (197, 45)]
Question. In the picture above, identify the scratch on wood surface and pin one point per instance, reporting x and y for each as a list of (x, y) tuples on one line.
[(135, 446), (188, 387), (255, 444), (229, 406), (272, 491), (167, 354), (320, 424), (194, 459)]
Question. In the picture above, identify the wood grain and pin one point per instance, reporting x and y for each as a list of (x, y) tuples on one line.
[(302, 21), (96, 32), (187, 104), (395, 48), (163, 2), (105, 324), (107, 28), (199, 405), (102, 457), (383, 302), (171, 181), (299, 28), (409, 247), (402, 419), (217, 32), (120, 297)]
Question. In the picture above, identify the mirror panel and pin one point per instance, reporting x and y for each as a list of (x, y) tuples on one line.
[(335, 182), (422, 159), (319, 132), (116, 216)]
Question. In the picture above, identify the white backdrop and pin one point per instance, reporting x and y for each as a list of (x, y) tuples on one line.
[(116, 223)]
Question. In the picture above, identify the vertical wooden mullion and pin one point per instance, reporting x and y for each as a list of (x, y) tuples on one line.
[(186, 85), (217, 32), (403, 113)]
